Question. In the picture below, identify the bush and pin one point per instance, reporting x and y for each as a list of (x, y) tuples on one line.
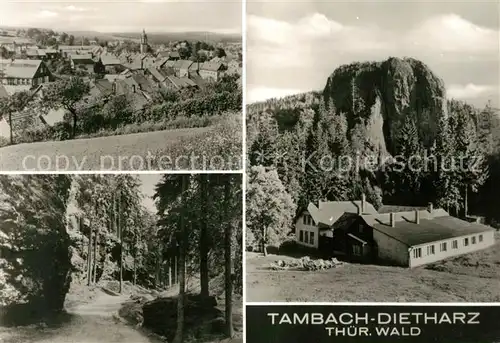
[(289, 246), (62, 131)]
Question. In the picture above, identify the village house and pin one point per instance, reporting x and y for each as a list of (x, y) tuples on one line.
[(23, 72), (357, 232), (85, 62), (111, 64), (67, 50), (211, 70)]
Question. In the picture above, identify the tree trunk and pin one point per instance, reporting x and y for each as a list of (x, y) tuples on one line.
[(176, 272), (204, 292), (94, 268), (466, 201), (182, 261), (264, 240), (120, 230), (73, 112), (135, 261), (228, 260), (10, 129), (169, 272), (89, 259)]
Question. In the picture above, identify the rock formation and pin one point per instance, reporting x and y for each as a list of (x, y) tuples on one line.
[(380, 95)]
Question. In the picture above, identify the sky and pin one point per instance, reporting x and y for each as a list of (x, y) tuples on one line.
[(294, 46), (148, 183), (221, 16)]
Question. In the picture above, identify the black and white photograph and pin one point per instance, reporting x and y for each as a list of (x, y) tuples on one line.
[(121, 258), (120, 85), (373, 147)]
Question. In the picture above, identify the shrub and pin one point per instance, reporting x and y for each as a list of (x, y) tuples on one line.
[(62, 131)]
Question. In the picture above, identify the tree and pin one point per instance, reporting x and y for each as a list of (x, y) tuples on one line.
[(204, 238), (71, 40), (67, 93), (219, 52), (99, 68), (63, 37), (269, 207), (86, 41), (179, 334), (228, 237), (10, 105)]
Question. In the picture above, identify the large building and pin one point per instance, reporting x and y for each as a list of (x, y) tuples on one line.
[(20, 72), (356, 231)]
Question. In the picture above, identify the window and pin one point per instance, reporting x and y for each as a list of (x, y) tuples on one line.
[(480, 238), (454, 244), (360, 228), (306, 240), (444, 246), (301, 236), (304, 219), (311, 238), (430, 250), (356, 250), (474, 240), (466, 242), (417, 253)]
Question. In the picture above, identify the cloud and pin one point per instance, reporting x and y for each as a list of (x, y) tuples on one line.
[(72, 8), (47, 14), (452, 33), (301, 54), (470, 91)]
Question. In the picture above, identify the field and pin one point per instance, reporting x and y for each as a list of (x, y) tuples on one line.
[(469, 278), (139, 151)]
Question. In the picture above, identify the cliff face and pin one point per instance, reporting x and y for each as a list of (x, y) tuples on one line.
[(377, 97)]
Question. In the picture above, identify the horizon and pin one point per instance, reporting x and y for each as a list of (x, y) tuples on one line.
[(131, 16)]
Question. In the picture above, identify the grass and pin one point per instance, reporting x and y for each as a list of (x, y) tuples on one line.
[(180, 122), (473, 277), (216, 147)]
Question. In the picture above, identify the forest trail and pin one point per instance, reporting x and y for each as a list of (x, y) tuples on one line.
[(93, 322)]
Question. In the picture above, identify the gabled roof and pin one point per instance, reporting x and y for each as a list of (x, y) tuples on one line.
[(82, 59), (431, 228), (211, 66), (397, 208), (22, 69), (110, 60), (329, 211), (182, 64)]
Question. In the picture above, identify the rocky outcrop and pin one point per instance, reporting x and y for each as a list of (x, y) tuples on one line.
[(379, 96), (35, 267)]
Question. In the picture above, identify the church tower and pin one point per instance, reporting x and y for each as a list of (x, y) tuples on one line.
[(144, 42)]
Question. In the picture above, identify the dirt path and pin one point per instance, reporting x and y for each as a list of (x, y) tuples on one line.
[(95, 322)]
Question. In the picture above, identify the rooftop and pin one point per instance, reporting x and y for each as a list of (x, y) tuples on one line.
[(330, 211), (435, 226)]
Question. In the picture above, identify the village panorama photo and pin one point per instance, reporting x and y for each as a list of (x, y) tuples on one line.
[(121, 258), (373, 143), (136, 85)]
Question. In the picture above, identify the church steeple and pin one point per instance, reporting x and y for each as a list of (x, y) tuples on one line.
[(144, 42)]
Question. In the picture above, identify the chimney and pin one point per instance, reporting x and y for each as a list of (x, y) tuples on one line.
[(430, 207), (114, 87), (363, 203), (391, 216), (417, 217), (133, 88)]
